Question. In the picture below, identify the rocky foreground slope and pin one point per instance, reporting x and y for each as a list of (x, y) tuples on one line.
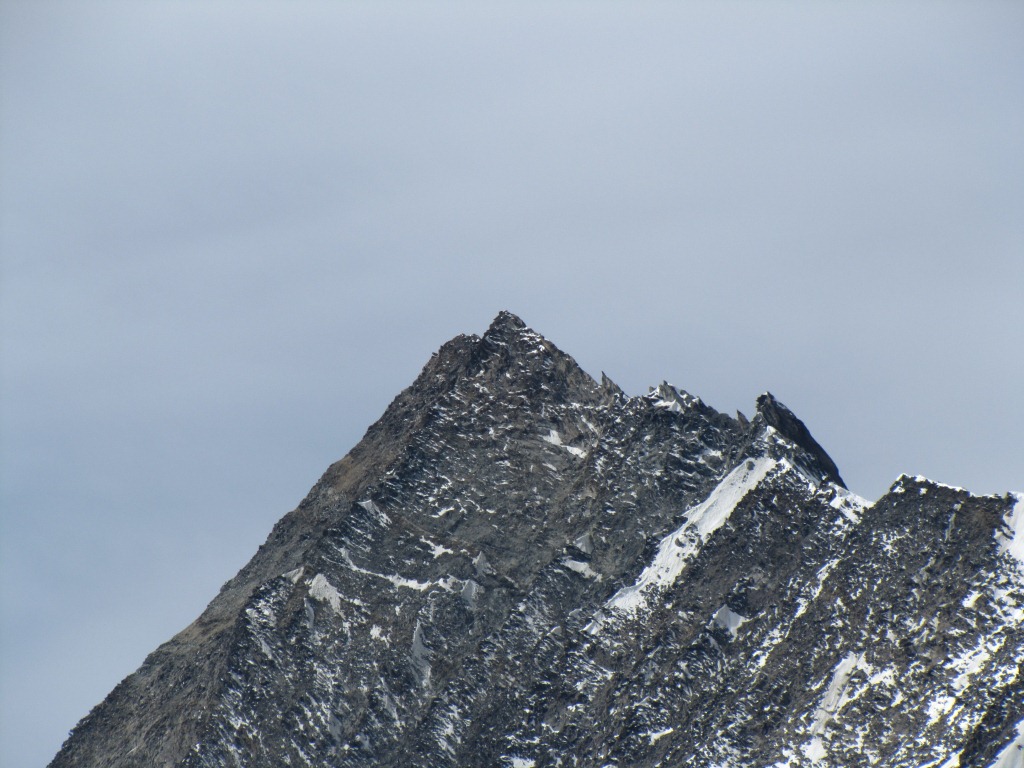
[(520, 566)]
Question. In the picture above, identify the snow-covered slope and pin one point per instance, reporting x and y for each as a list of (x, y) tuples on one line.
[(520, 566)]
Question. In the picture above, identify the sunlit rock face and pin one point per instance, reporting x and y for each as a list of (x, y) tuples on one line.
[(521, 566)]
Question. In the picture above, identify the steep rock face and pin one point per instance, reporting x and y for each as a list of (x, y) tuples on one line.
[(520, 566)]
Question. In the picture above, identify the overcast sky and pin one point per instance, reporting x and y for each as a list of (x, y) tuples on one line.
[(231, 233)]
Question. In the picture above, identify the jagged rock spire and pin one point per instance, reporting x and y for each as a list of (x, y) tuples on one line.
[(777, 415), (505, 323)]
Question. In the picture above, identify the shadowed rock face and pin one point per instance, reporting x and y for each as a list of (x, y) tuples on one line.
[(520, 566), (778, 416)]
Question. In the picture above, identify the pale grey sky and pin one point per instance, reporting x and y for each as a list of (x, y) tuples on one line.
[(232, 232)]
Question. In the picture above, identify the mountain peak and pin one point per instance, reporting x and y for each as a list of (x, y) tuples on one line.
[(505, 324), (518, 566)]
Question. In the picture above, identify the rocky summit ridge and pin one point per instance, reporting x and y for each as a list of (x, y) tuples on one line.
[(521, 566)]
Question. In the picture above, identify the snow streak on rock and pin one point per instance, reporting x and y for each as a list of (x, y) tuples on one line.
[(680, 546)]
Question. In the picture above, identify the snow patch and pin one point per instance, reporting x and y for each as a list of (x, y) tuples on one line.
[(939, 707), (470, 592), (395, 579), (556, 439), (831, 703), (420, 655), (729, 620), (401, 581), (583, 569), (923, 479), (840, 679), (1013, 755), (849, 503), (553, 437), (969, 663), (436, 549), (321, 589), (682, 545), (372, 508), (971, 600), (814, 750)]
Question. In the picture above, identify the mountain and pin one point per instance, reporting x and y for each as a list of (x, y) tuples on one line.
[(521, 566)]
